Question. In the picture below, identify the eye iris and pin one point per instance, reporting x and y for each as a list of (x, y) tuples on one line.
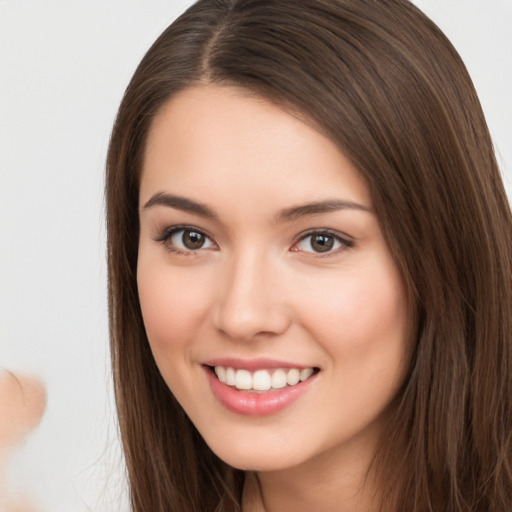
[(322, 243), (193, 239)]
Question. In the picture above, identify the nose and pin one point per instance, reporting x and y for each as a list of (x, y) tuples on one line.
[(250, 299)]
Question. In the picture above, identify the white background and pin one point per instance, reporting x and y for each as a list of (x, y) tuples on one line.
[(63, 68)]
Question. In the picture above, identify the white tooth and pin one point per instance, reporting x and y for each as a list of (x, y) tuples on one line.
[(306, 373), (279, 379), (293, 377), (261, 380), (243, 379), (230, 377), (220, 371)]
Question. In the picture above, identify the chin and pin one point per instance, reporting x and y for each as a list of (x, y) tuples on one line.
[(259, 462), (259, 456)]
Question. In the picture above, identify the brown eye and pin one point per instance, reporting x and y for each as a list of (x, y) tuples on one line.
[(185, 240), (192, 239), (322, 242)]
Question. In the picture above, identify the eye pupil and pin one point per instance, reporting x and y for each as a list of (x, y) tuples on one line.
[(322, 243), (193, 239)]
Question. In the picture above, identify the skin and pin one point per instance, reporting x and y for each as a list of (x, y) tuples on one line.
[(258, 289), (22, 403)]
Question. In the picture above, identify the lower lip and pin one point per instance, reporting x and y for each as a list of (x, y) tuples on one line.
[(256, 404)]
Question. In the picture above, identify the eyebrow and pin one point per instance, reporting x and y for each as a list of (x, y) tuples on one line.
[(286, 215), (295, 212), (180, 203)]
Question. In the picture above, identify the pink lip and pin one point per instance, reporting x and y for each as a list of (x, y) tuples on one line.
[(256, 404), (253, 364)]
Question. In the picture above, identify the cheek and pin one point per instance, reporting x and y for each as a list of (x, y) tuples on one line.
[(363, 314), (359, 306), (172, 306)]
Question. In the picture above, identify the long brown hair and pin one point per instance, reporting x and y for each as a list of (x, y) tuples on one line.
[(383, 82)]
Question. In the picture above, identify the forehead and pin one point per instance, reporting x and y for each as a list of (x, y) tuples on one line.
[(219, 141)]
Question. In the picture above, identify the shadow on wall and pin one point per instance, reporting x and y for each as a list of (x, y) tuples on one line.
[(22, 404)]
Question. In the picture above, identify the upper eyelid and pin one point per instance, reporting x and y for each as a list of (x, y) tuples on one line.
[(165, 235), (346, 243), (167, 232), (318, 231)]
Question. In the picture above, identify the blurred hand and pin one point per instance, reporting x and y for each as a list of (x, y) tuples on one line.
[(22, 403)]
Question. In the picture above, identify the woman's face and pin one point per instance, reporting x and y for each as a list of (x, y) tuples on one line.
[(261, 260)]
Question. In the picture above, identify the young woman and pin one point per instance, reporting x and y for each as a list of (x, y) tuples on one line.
[(309, 267)]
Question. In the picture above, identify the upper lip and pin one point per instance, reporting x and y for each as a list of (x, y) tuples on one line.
[(254, 364)]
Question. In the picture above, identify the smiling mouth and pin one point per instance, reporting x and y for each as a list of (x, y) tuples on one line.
[(262, 380)]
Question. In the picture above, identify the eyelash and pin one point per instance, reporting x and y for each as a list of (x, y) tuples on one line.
[(343, 241), (165, 237)]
